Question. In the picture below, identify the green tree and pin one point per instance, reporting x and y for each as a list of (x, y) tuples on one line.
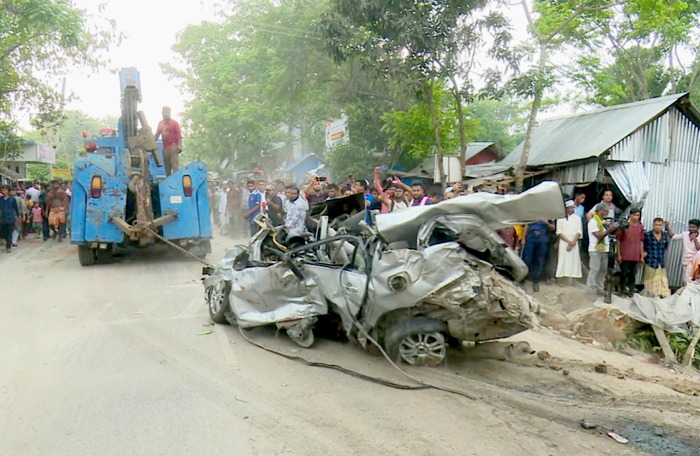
[(366, 99), (691, 81), (66, 137), (552, 24), (40, 172), (10, 143), (593, 27), (618, 83), (349, 158), (260, 69), (411, 130), (640, 49), (499, 121), (39, 41), (418, 43)]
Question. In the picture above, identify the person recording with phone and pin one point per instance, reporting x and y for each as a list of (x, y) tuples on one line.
[(314, 191), (388, 195)]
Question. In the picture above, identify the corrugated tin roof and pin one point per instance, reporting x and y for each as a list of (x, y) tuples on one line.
[(485, 169), (474, 148), (587, 135)]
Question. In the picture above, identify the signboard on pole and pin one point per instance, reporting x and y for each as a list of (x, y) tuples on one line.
[(62, 174), (337, 132)]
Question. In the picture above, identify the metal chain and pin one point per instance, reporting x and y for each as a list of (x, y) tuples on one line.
[(177, 247)]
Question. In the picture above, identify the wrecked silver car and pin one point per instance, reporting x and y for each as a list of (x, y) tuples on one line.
[(413, 282)]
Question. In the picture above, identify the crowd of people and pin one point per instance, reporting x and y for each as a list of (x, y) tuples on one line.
[(552, 249), (560, 250), (236, 204), (33, 213)]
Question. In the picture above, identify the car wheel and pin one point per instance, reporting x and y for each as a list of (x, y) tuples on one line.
[(303, 338), (302, 331), (417, 341), (218, 301)]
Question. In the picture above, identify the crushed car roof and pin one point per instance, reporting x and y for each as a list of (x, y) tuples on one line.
[(541, 202)]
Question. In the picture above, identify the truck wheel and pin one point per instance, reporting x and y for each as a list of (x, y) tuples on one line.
[(204, 248), (419, 341), (199, 251), (86, 255)]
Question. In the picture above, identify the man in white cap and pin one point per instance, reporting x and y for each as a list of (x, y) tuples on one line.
[(569, 232), (599, 247)]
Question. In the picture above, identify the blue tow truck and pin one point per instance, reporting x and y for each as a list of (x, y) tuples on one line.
[(122, 197)]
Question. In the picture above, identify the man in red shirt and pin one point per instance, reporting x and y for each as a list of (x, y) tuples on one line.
[(630, 252), (172, 141)]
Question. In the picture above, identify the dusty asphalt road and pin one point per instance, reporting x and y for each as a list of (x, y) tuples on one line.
[(107, 361)]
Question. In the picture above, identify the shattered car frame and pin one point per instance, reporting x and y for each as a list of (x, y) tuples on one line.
[(414, 282)]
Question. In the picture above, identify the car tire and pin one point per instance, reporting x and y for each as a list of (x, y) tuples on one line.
[(218, 301), (86, 255), (418, 341), (304, 339)]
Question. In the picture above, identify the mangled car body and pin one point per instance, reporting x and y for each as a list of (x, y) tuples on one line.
[(413, 281)]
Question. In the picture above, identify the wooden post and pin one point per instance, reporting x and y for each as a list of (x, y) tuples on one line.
[(665, 346), (690, 352)]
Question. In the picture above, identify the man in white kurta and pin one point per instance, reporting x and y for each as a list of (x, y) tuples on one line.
[(569, 233), (223, 208)]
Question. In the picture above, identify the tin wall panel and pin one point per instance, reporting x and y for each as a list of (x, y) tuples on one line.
[(673, 196), (582, 173), (685, 138), (650, 144)]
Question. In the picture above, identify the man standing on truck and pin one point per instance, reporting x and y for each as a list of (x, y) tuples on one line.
[(172, 141)]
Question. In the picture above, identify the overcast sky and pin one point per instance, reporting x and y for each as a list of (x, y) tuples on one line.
[(151, 27)]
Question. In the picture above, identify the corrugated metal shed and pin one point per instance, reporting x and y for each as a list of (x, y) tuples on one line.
[(669, 149), (654, 148), (474, 148), (588, 135)]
